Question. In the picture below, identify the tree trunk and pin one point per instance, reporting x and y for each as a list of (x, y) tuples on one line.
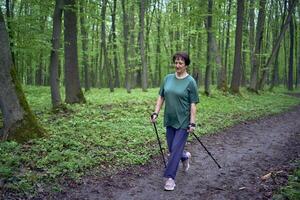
[(40, 67), (84, 35), (148, 29), (157, 71), (298, 65), (73, 90), (39, 71), (114, 41), (106, 66), (227, 40), (19, 123), (209, 49), (236, 74), (9, 15), (291, 57), (251, 35), (275, 49), (142, 46), (245, 46), (259, 37), (222, 82), (54, 57), (125, 43)]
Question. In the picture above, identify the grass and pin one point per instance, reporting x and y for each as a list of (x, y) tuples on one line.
[(111, 131)]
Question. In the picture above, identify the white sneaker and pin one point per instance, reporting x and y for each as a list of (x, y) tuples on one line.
[(170, 184), (186, 163)]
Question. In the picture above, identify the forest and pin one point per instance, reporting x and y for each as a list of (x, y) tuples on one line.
[(70, 66)]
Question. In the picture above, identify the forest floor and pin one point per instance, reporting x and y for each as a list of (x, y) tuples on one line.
[(247, 152)]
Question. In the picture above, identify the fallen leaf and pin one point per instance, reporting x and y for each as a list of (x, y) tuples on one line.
[(265, 177)]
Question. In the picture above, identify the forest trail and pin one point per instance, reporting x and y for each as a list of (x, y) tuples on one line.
[(246, 152)]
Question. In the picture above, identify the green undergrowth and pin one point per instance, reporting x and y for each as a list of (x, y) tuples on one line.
[(292, 190), (112, 131)]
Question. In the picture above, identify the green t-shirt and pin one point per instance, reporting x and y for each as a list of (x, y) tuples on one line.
[(178, 95)]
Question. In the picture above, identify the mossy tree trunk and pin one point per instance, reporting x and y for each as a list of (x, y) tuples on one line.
[(19, 122)]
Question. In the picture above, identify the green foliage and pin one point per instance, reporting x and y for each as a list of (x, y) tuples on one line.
[(112, 131), (292, 190)]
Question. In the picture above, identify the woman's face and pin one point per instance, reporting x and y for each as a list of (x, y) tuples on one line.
[(180, 66)]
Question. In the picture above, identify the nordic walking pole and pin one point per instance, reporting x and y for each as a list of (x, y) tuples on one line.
[(206, 149), (161, 151)]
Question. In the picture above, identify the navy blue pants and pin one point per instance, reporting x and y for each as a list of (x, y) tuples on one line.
[(176, 139)]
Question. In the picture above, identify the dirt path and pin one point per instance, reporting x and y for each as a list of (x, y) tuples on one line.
[(246, 152)]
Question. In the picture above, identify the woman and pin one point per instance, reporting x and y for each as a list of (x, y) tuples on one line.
[(180, 94)]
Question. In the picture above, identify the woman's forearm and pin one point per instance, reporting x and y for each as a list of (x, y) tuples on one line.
[(193, 113), (159, 103)]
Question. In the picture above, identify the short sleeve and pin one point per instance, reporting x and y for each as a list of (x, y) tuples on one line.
[(193, 92), (162, 86)]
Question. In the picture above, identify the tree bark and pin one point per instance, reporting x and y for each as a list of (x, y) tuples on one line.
[(73, 90), (227, 44), (39, 75), (251, 34), (54, 57), (114, 41), (125, 43), (209, 50), (236, 74), (134, 77), (291, 57), (19, 123), (142, 47), (84, 35), (298, 65), (157, 71), (9, 15), (106, 66)]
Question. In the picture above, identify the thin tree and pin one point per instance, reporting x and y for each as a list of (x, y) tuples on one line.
[(84, 35), (275, 67), (54, 57), (142, 46), (298, 65), (74, 93), (275, 49), (227, 40), (133, 49), (40, 68), (258, 44), (106, 66), (157, 70), (114, 41), (291, 56), (222, 82), (209, 49), (19, 122), (125, 43), (236, 74), (251, 33)]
